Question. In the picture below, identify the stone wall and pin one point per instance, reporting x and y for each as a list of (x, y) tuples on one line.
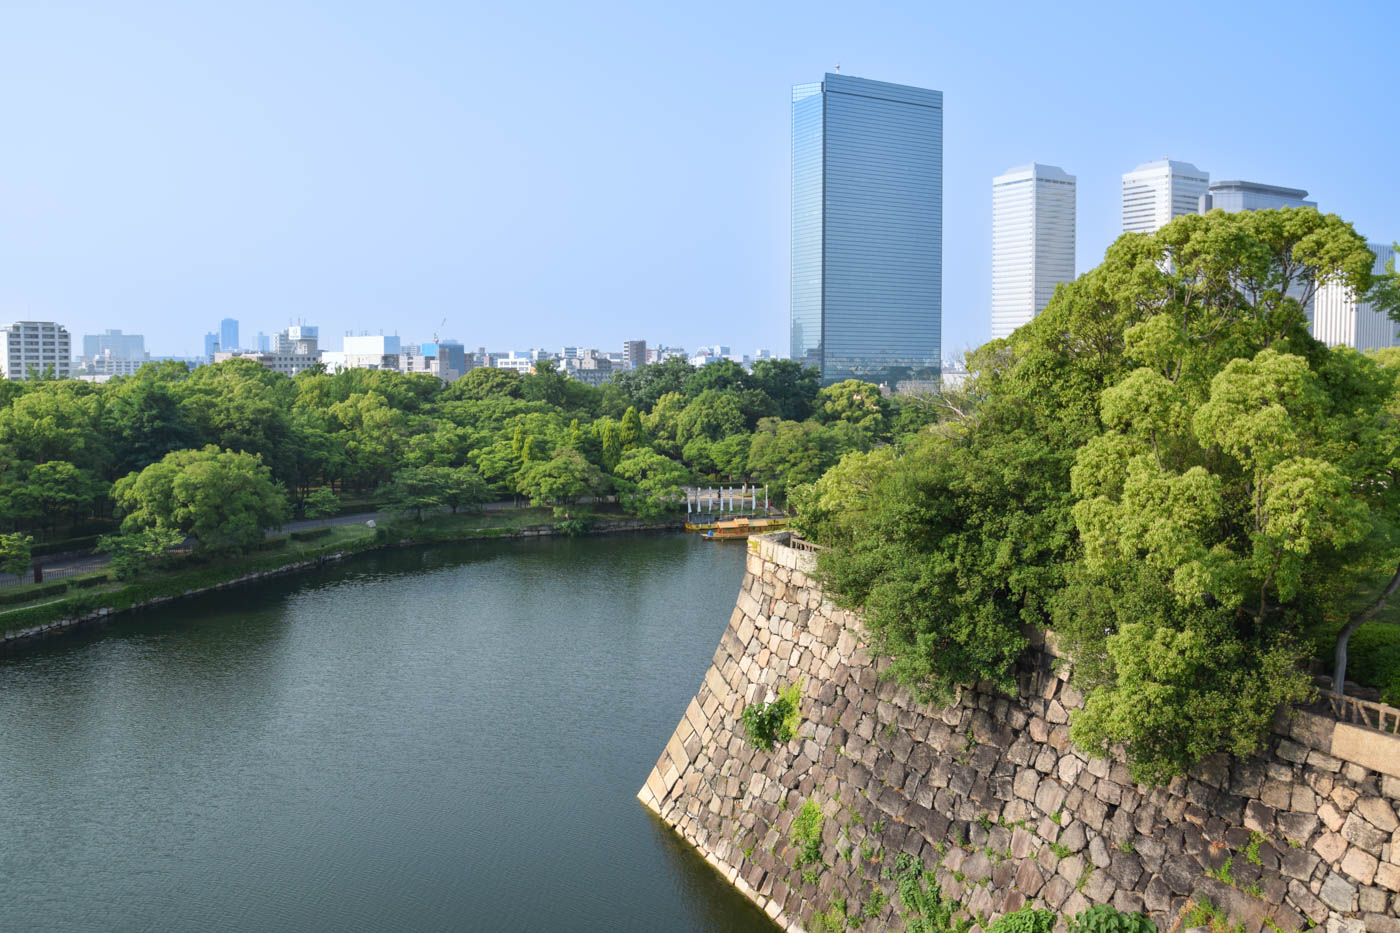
[(991, 797)]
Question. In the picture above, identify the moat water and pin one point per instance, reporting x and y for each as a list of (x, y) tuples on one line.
[(439, 739)]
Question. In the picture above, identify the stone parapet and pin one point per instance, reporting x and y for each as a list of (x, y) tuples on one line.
[(991, 797)]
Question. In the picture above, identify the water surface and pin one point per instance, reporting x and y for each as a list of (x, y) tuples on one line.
[(438, 739)]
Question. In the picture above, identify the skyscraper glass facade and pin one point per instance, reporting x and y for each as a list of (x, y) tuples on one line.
[(867, 229)]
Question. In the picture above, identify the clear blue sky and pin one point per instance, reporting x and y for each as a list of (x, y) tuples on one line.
[(551, 173)]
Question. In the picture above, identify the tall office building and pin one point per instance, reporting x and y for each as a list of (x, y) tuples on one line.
[(228, 334), (35, 347), (1032, 242), (1156, 192), (1235, 196), (211, 346), (1338, 319), (634, 353), (867, 229)]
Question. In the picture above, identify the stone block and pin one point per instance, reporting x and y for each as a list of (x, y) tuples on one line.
[(1331, 847), (1369, 748), (1331, 817), (1029, 879), (1337, 893), (1360, 865), (1381, 923), (1378, 813), (1306, 901), (1259, 817), (1359, 832), (1388, 876), (1297, 826), (1050, 796)]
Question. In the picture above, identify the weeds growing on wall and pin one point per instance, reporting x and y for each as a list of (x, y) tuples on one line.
[(807, 834), (766, 724)]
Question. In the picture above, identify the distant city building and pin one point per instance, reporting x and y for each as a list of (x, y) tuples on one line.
[(634, 353), (446, 359), (1033, 209), (116, 345), (662, 354), (1338, 319), (211, 346), (954, 376), (1235, 196), (290, 352), (365, 352), (228, 334), (1156, 192), (588, 366), (520, 363), (867, 229), (35, 347)]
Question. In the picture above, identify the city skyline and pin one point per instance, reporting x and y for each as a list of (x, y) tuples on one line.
[(407, 168)]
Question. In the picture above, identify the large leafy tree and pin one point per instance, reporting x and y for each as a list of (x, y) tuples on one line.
[(791, 385), (650, 484), (1164, 466), (563, 479), (224, 499)]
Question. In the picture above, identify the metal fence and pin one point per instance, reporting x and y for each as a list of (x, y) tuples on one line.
[(59, 573)]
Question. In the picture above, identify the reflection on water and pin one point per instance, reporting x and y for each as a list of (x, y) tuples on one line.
[(432, 739)]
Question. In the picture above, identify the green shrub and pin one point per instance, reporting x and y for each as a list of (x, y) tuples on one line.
[(1104, 918), (28, 592), (1025, 920), (83, 583), (775, 722), (807, 834), (311, 534), (84, 543), (273, 544)]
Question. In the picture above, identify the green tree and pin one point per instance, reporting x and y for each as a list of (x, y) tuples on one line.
[(1164, 467), (645, 385), (56, 493), (857, 403), (710, 416), (721, 376), (789, 453), (484, 382), (130, 554), (791, 385), (224, 499), (321, 503), (563, 479), (16, 554), (545, 384), (415, 490), (650, 483)]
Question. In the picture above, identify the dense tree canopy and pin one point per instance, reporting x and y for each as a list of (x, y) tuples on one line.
[(1164, 467)]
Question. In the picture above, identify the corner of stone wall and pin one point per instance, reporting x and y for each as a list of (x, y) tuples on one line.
[(992, 800)]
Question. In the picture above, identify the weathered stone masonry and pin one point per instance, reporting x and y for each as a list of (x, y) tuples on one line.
[(991, 796)]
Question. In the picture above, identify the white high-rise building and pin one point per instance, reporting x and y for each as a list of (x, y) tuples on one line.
[(1156, 192), (1032, 242), (37, 347), (1338, 319)]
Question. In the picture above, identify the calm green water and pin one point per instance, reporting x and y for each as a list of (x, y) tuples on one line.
[(445, 739)]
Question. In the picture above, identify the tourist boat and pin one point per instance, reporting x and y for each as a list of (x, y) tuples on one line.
[(737, 528)]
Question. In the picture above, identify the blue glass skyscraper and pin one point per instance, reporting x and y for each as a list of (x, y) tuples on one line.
[(867, 229)]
